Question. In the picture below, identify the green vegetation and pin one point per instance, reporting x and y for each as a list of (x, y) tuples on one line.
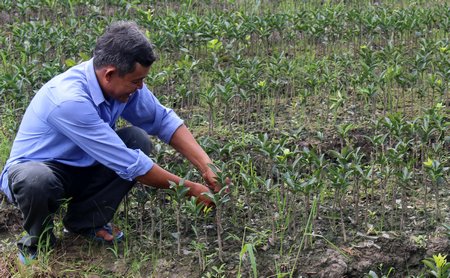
[(438, 266), (330, 118)]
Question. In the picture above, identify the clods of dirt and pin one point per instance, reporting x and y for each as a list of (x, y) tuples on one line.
[(10, 217)]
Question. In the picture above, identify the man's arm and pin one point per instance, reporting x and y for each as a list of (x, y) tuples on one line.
[(184, 142), (158, 177), (145, 111)]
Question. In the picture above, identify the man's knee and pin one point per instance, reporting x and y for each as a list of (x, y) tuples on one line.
[(136, 138), (34, 178)]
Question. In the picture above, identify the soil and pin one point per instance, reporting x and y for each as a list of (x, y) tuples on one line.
[(380, 253)]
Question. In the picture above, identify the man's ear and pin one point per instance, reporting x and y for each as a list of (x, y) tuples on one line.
[(109, 71)]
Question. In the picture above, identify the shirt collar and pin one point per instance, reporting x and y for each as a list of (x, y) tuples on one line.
[(92, 83)]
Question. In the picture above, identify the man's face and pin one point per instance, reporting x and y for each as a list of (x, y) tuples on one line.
[(122, 87)]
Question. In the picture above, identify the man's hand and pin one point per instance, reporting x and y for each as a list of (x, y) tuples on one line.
[(183, 141), (211, 180), (158, 177), (196, 190)]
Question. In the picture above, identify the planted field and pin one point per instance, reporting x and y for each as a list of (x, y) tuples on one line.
[(330, 117)]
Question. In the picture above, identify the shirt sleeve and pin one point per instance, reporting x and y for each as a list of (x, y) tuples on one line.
[(79, 121), (145, 111)]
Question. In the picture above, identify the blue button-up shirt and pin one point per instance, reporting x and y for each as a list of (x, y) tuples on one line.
[(70, 121)]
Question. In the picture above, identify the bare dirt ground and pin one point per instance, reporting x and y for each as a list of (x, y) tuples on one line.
[(399, 254)]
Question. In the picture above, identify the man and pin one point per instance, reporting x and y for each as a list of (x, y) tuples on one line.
[(67, 148)]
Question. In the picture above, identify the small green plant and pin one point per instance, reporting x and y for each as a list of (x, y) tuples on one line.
[(373, 274), (248, 249), (420, 241), (438, 266), (437, 173), (115, 250), (216, 272), (219, 199), (194, 209), (177, 193), (200, 248)]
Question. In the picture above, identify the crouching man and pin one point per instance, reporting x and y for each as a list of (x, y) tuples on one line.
[(68, 148)]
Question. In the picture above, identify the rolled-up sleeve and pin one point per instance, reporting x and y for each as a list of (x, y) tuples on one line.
[(145, 111), (95, 137)]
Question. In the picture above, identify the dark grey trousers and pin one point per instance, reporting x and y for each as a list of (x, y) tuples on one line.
[(93, 193)]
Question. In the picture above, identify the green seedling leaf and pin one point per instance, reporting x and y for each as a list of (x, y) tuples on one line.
[(440, 260), (372, 274), (249, 249), (211, 196), (214, 44), (428, 163), (70, 62), (84, 56), (207, 210)]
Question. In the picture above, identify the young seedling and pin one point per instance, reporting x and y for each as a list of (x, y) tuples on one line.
[(438, 266), (195, 208), (143, 194), (249, 249), (178, 192), (219, 199), (437, 173)]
